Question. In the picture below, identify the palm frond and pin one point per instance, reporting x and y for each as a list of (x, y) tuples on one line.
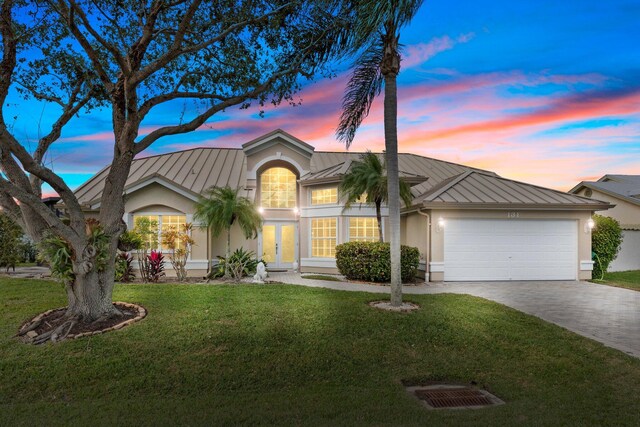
[(364, 85), (368, 175), (220, 207)]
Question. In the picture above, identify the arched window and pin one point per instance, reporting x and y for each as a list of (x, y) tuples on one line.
[(278, 188)]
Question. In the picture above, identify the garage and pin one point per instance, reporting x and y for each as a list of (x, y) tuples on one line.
[(510, 249)]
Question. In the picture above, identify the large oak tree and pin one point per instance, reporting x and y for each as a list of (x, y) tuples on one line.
[(134, 57)]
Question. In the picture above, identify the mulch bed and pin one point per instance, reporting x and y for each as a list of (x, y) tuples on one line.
[(53, 318)]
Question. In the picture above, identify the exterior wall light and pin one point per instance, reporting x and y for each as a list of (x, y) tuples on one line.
[(296, 210), (440, 226), (588, 226), (260, 210)]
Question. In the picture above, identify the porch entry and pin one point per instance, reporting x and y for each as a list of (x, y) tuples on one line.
[(279, 244)]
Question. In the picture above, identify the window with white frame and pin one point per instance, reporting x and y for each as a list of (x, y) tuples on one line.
[(323, 237), (363, 229), (324, 196), (163, 223), (278, 188)]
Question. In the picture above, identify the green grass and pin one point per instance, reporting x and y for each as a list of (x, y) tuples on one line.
[(322, 277), (622, 279), (286, 355)]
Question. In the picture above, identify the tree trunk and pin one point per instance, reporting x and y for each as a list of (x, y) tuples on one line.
[(393, 186), (379, 218), (90, 295)]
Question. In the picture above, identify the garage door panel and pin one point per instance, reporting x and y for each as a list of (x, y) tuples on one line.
[(478, 249)]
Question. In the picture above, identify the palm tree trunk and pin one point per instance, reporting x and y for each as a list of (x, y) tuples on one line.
[(393, 186), (226, 263), (379, 218)]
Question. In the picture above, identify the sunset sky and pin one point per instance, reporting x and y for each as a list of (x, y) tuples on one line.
[(546, 92)]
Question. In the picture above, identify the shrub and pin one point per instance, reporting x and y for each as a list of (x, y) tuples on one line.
[(241, 263), (155, 266), (10, 242), (28, 250), (130, 241), (371, 261), (179, 242), (605, 243), (124, 269), (57, 253)]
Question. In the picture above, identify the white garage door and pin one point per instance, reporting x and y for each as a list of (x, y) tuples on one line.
[(490, 249)]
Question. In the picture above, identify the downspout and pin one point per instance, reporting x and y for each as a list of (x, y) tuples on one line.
[(427, 260)]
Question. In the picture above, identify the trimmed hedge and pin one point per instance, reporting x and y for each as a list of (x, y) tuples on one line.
[(606, 238), (371, 261)]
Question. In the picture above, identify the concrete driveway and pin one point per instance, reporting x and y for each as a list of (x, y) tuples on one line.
[(603, 313)]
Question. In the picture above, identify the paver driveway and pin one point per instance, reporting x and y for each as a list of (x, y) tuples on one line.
[(604, 313)]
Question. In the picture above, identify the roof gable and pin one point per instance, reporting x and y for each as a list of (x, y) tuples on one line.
[(278, 136), (623, 187)]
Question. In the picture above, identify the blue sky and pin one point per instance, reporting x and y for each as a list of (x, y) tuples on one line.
[(545, 92)]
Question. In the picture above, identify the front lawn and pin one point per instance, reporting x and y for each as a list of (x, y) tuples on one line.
[(286, 355), (623, 279)]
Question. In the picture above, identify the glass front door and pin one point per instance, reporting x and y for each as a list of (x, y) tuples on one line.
[(279, 244)]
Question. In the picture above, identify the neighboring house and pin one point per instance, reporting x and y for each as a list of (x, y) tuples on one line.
[(468, 224), (624, 192)]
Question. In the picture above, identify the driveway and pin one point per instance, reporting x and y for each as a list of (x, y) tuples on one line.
[(603, 313)]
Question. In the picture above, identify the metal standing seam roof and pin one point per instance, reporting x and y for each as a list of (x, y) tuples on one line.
[(624, 187), (197, 169), (480, 189), (192, 170)]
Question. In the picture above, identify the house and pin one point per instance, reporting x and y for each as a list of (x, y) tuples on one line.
[(624, 192), (469, 224)]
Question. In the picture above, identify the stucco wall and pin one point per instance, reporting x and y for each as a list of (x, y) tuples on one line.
[(629, 256), (624, 212), (156, 198), (278, 151), (437, 238)]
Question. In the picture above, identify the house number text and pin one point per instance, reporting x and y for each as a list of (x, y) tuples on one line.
[(513, 214)]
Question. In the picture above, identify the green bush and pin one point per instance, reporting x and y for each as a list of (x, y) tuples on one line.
[(241, 263), (371, 261), (605, 243), (10, 242)]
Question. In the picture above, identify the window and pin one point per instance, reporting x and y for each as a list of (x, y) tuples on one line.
[(363, 230), (159, 225), (323, 237), (177, 222), (324, 196), (278, 188)]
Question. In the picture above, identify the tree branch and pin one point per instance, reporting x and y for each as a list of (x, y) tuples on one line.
[(117, 55), (157, 100), (11, 209), (202, 118), (8, 144), (34, 202), (175, 51), (67, 15)]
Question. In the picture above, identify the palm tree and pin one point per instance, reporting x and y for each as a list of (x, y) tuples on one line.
[(368, 177), (221, 207), (376, 34)]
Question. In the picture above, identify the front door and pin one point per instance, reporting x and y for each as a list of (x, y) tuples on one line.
[(279, 244)]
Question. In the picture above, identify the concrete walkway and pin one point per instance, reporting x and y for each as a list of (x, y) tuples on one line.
[(603, 313)]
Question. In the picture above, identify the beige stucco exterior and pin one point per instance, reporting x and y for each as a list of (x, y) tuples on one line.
[(628, 215), (158, 197), (623, 211)]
